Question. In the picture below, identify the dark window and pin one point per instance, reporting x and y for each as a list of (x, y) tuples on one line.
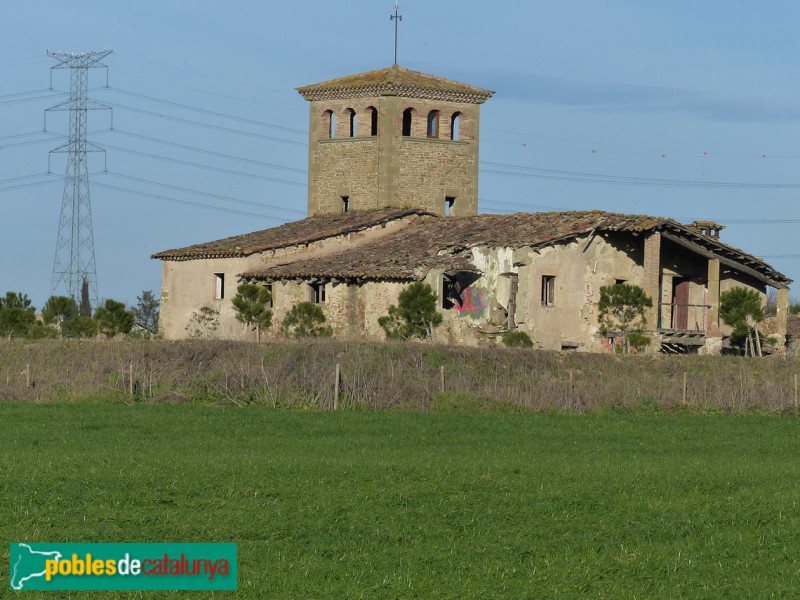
[(330, 122), (317, 295), (548, 290), (451, 292), (271, 298), (619, 282), (345, 203), (219, 286), (433, 124), (455, 124), (352, 115), (373, 120), (449, 203), (407, 114)]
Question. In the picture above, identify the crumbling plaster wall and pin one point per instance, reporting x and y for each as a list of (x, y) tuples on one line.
[(188, 285)]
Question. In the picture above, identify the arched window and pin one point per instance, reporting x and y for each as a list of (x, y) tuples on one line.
[(329, 120), (407, 114), (433, 124), (455, 123), (351, 115), (373, 120)]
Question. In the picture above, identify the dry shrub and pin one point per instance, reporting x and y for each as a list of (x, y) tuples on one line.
[(385, 376)]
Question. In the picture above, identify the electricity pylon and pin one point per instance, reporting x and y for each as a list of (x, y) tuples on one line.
[(74, 259)]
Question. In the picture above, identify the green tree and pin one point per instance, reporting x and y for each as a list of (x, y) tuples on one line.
[(147, 311), (113, 318), (203, 323), (415, 315), (17, 315), (741, 309), (80, 327), (57, 310), (305, 320), (252, 305), (85, 309), (622, 312)]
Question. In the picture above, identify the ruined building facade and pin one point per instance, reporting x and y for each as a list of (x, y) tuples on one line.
[(393, 199)]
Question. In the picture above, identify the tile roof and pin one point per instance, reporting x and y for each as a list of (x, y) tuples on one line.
[(305, 231), (395, 81), (445, 243)]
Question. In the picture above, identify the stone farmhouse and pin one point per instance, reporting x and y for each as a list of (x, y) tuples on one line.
[(393, 199)]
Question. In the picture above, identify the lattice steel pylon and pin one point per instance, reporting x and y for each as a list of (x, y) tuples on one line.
[(74, 259)]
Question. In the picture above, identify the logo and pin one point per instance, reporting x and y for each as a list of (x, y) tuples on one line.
[(123, 566)]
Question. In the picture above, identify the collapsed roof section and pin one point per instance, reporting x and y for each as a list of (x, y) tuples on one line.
[(411, 252)]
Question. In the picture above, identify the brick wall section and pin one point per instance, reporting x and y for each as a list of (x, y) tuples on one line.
[(390, 170), (651, 281)]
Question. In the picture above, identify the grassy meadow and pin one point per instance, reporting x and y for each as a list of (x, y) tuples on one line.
[(408, 504)]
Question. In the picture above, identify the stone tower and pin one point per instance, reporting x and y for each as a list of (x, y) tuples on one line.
[(393, 138)]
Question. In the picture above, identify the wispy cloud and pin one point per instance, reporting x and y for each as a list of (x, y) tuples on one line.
[(626, 97)]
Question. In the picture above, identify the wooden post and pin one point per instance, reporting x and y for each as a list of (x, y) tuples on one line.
[(130, 380), (441, 379), (795, 392), (27, 376), (571, 385), (684, 387), (336, 388)]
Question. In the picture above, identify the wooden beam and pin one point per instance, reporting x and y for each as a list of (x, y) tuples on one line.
[(697, 248)]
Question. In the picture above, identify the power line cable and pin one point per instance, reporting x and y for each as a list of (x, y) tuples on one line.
[(186, 202), (206, 194), (206, 167), (207, 125), (208, 112), (211, 152)]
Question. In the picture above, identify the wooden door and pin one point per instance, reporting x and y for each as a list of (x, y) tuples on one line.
[(681, 303)]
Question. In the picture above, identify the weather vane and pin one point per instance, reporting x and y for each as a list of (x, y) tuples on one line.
[(396, 18)]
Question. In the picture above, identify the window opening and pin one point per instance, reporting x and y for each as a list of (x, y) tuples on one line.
[(548, 290), (352, 114), (407, 113), (373, 120), (433, 124), (317, 293), (449, 203), (331, 122), (451, 292), (345, 203), (219, 286), (455, 125)]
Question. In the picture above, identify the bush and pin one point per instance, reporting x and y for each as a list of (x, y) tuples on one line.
[(80, 327), (305, 320), (203, 323), (622, 311), (517, 339), (251, 304), (112, 318), (415, 315)]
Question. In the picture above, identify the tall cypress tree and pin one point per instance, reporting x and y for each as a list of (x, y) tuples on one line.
[(86, 306)]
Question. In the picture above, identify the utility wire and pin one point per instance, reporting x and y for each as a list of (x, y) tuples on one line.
[(206, 167), (186, 202), (209, 112), (211, 152), (45, 97), (207, 125), (206, 194)]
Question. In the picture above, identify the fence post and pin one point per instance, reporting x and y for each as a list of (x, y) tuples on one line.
[(441, 379), (27, 376), (336, 387), (130, 380), (795, 392), (684, 387)]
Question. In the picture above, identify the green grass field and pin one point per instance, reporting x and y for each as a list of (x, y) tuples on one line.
[(419, 505)]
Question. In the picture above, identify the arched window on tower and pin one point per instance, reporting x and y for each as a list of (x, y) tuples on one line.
[(329, 120), (455, 125), (407, 114), (351, 115), (433, 124), (373, 120)]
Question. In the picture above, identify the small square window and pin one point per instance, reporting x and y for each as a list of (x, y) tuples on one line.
[(345, 203), (317, 293), (449, 203), (548, 290), (219, 286)]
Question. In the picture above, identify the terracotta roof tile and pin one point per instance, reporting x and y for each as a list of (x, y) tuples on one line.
[(395, 81), (304, 231), (445, 243)]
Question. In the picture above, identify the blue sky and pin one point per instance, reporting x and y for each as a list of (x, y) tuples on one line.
[(679, 109)]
